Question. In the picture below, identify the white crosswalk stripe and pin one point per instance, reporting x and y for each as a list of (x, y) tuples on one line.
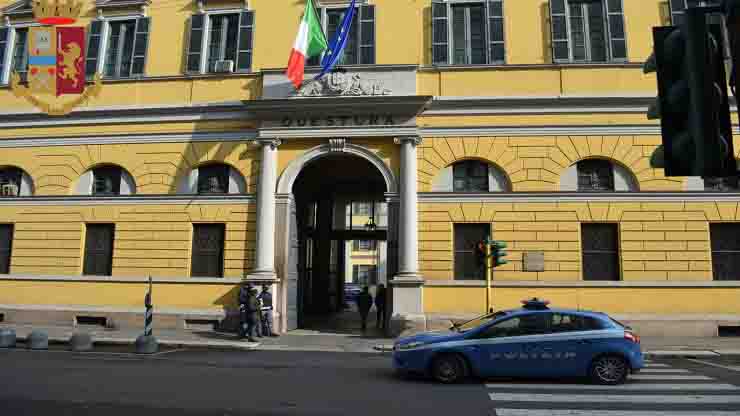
[(614, 398), (663, 370), (656, 391)]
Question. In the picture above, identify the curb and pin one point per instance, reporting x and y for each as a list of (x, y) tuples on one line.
[(168, 343)]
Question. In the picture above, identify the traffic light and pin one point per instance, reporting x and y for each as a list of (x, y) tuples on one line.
[(692, 99), (498, 253)]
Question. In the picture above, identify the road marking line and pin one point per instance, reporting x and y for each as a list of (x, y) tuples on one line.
[(667, 377), (573, 412), (726, 367), (650, 365), (167, 352), (632, 386), (664, 370), (614, 398)]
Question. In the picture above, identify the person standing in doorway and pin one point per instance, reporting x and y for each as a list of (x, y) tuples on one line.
[(364, 303), (266, 298), (380, 305)]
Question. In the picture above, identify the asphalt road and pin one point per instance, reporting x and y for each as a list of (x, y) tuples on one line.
[(200, 382)]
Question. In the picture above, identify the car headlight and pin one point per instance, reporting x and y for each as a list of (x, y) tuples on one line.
[(411, 345)]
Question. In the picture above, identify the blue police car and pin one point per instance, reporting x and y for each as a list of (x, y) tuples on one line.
[(532, 341)]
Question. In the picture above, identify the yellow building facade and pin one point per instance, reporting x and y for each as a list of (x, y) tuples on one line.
[(199, 165)]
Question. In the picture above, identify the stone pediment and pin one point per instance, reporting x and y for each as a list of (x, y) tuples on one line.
[(351, 81)]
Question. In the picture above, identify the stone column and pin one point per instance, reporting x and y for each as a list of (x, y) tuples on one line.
[(264, 267), (408, 307)]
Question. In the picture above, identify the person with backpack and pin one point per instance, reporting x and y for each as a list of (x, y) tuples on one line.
[(266, 299), (243, 300)]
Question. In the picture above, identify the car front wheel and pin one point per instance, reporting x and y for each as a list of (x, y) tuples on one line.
[(448, 369), (609, 370)]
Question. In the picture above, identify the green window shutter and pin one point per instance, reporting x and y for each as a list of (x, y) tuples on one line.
[(440, 39), (617, 38), (3, 49), (559, 30), (195, 44), (497, 48), (366, 21), (141, 41), (245, 44), (94, 37)]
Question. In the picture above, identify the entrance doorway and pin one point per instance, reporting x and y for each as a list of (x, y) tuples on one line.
[(342, 230)]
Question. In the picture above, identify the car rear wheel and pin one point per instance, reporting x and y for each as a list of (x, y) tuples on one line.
[(609, 370), (449, 369)]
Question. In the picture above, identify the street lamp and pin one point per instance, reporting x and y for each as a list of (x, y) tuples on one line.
[(371, 226)]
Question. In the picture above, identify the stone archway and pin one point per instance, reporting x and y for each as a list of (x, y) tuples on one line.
[(287, 242)]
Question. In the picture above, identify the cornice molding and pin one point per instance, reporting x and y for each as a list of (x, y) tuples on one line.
[(525, 197), (568, 130), (113, 279), (229, 136), (313, 132), (129, 200)]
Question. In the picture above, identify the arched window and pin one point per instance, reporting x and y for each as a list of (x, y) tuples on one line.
[(214, 178), (597, 175), (471, 176), (107, 180), (15, 182)]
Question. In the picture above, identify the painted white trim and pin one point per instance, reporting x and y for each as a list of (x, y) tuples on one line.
[(81, 309), (333, 132), (663, 284), (523, 130), (290, 174), (644, 196), (129, 200)]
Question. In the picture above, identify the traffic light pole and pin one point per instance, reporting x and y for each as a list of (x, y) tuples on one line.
[(489, 277)]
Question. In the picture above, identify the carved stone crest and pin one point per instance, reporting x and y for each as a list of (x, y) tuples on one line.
[(342, 84)]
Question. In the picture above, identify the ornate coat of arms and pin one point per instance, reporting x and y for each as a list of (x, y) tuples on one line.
[(340, 84), (56, 59)]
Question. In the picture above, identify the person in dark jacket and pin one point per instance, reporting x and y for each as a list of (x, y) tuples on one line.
[(364, 303), (266, 298), (243, 300), (253, 313), (380, 305)]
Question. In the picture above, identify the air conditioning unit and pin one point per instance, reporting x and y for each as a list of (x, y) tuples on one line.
[(224, 66), (9, 190)]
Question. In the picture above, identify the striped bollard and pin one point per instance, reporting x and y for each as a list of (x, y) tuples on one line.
[(147, 344)]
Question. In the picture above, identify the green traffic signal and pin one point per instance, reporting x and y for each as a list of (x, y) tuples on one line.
[(498, 253)]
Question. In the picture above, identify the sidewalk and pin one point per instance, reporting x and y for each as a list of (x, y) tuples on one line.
[(305, 340), (301, 340)]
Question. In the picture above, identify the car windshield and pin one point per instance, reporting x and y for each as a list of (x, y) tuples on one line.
[(474, 323), (625, 326)]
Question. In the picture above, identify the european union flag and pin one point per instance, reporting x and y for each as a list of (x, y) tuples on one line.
[(337, 44)]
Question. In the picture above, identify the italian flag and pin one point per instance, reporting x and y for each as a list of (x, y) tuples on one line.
[(310, 42)]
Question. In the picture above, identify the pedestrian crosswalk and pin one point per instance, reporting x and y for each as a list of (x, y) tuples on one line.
[(658, 390)]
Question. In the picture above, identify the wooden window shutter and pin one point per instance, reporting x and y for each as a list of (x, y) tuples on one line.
[(559, 31), (195, 44), (141, 41), (99, 250), (245, 44), (497, 47), (208, 250), (6, 247), (617, 37), (440, 39), (94, 37), (366, 20)]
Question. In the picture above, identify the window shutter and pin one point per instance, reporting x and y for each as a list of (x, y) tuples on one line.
[(497, 49), (6, 247), (246, 42), (99, 250), (617, 41), (440, 39), (141, 40), (195, 44), (94, 37), (367, 35), (559, 29), (3, 49)]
